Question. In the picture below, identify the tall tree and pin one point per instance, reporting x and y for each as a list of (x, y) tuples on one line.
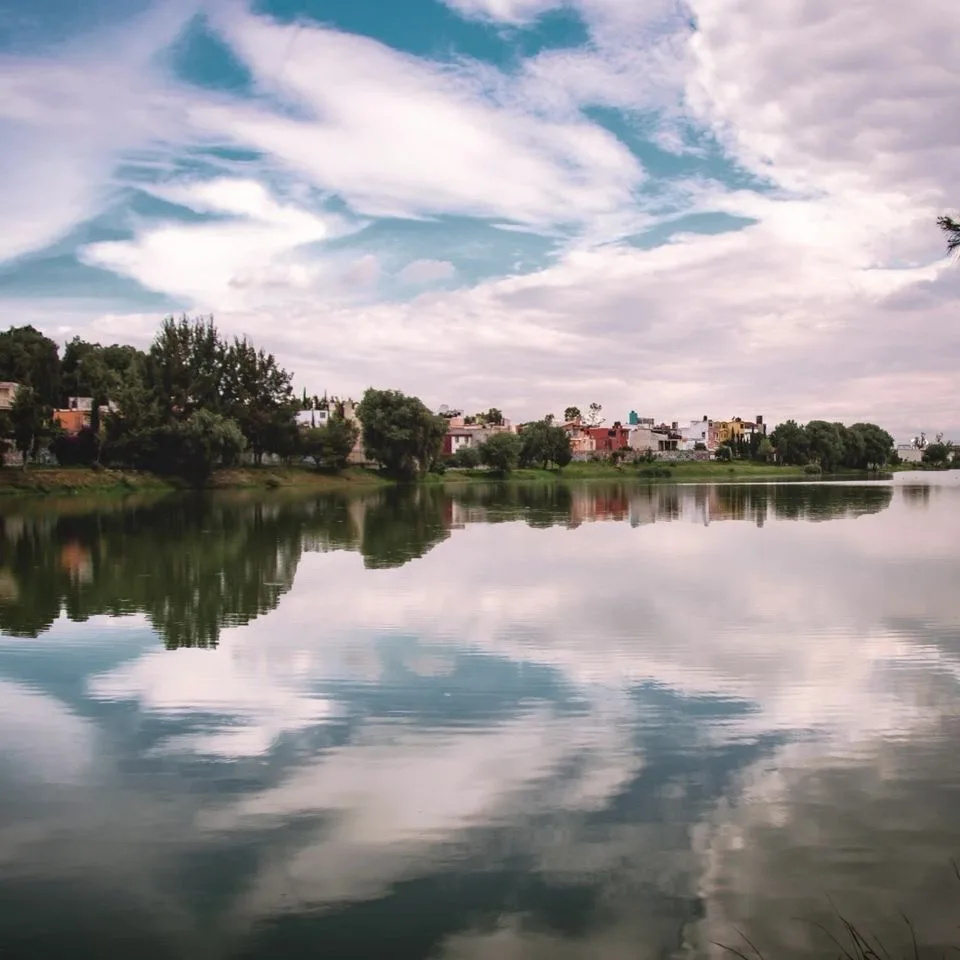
[(501, 452), (790, 443), (543, 443), (29, 357), (88, 367), (330, 446), (30, 422), (876, 446), (826, 444), (572, 413), (204, 441), (257, 393), (399, 432), (187, 359)]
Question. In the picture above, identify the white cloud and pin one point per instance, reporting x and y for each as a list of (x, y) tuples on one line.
[(426, 271), (519, 12), (395, 800), (225, 262), (786, 657), (259, 699), (394, 135), (68, 116), (46, 740)]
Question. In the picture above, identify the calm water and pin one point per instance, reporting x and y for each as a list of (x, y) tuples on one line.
[(595, 722)]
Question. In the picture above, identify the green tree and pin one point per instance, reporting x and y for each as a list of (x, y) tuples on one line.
[(258, 394), (937, 454), (190, 368), (595, 416), (854, 447), (400, 433), (6, 433), (825, 443), (493, 417), (544, 443), (876, 445), (764, 449), (206, 440), (501, 452), (790, 443), (330, 445), (187, 367), (80, 450), (30, 422), (572, 413), (467, 458), (87, 368), (561, 453), (28, 357)]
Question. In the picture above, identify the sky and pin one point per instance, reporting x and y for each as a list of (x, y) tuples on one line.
[(718, 207)]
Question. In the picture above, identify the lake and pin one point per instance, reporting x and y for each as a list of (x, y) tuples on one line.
[(597, 721)]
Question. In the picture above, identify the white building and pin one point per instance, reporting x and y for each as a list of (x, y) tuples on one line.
[(909, 453), (312, 418), (694, 432)]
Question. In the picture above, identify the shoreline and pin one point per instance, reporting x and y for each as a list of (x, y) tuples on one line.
[(41, 481)]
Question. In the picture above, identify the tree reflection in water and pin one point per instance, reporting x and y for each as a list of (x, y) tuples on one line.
[(198, 564)]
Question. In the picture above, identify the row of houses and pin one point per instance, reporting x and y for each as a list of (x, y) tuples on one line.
[(639, 434)]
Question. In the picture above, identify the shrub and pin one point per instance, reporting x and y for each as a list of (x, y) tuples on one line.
[(501, 452), (467, 458), (813, 469)]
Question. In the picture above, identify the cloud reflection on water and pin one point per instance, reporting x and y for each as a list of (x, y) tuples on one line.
[(640, 715)]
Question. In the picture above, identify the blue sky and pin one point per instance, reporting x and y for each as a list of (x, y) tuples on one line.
[(710, 206)]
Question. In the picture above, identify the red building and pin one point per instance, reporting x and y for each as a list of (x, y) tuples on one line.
[(608, 439)]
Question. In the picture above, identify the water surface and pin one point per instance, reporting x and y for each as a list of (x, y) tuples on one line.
[(595, 721)]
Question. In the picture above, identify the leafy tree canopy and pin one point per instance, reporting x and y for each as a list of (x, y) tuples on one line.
[(330, 445), (400, 433), (501, 452), (29, 357), (544, 443)]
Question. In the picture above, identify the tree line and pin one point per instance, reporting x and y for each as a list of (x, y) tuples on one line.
[(832, 446), (196, 400), (193, 401)]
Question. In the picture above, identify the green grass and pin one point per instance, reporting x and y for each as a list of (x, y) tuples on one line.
[(713, 471), (41, 481), (271, 478), (74, 481), (71, 481)]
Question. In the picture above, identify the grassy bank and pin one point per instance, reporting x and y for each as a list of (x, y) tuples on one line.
[(70, 481), (41, 481), (707, 471), (272, 478)]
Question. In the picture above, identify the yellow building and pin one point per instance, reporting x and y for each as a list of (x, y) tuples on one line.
[(729, 431)]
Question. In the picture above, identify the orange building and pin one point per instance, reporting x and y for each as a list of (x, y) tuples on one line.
[(72, 421)]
